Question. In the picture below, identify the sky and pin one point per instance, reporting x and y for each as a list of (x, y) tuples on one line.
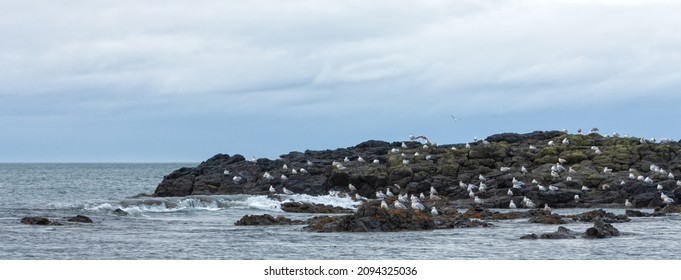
[(180, 81)]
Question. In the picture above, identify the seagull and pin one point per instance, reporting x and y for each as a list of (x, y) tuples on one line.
[(468, 146), (283, 177), (547, 208), (403, 198), (551, 143), (254, 160), (268, 176), (477, 200), (352, 188), (405, 161), (482, 178), (302, 170), (422, 196), (359, 197), (585, 188), (532, 147), (671, 176), (534, 181), (294, 172), (605, 187), (542, 188), (640, 178), (568, 179), (395, 150), (309, 163), (284, 167), (429, 157), (523, 169), (272, 189), (553, 188), (678, 183), (628, 204), (562, 160), (571, 170), (607, 170), (346, 159), (415, 204), (577, 197), (417, 154), (509, 192), (462, 184), (376, 161), (286, 191), (384, 205), (648, 180), (435, 197), (659, 187), (529, 203), (622, 183), (471, 194), (399, 205), (512, 205), (434, 211), (454, 118), (404, 146), (236, 179), (482, 187), (226, 172), (388, 192), (504, 169), (380, 194), (566, 141), (632, 176), (554, 174), (433, 190), (517, 182), (360, 159)]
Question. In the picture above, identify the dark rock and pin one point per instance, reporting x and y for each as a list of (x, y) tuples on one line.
[(600, 230), (120, 212), (299, 207), (599, 214), (266, 220), (80, 219), (635, 213), (542, 217), (561, 233), (39, 221), (531, 236)]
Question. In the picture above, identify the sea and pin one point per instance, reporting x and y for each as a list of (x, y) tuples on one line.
[(202, 227)]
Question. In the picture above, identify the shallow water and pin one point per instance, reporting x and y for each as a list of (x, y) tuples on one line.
[(202, 227)]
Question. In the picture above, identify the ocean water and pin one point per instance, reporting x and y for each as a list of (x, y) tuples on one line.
[(202, 227)]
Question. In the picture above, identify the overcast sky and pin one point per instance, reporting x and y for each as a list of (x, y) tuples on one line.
[(151, 81)]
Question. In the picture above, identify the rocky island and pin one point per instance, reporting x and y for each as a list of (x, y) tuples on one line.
[(418, 185)]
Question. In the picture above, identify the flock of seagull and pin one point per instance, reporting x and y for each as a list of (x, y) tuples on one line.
[(402, 200)]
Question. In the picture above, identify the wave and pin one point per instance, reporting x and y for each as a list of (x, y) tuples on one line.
[(213, 203)]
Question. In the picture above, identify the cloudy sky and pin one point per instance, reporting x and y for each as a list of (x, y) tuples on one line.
[(128, 80)]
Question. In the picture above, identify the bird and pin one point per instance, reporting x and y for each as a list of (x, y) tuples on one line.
[(268, 176), (542, 188), (660, 187), (576, 197), (394, 150), (632, 176), (429, 157), (471, 194), (346, 159), (534, 181), (468, 146), (417, 154), (585, 188), (434, 211), (303, 171), (670, 176), (376, 161), (482, 187), (628, 204), (415, 204), (294, 172), (422, 196), (512, 205), (532, 147), (402, 198), (607, 170), (283, 177), (360, 159), (566, 141), (226, 172), (678, 183), (272, 189), (477, 200), (433, 190), (236, 179), (517, 182), (568, 179), (547, 208), (425, 147), (284, 167), (523, 169), (462, 184), (647, 180), (352, 188), (551, 143), (554, 174), (388, 193), (286, 191), (553, 188), (309, 163), (504, 169), (571, 170), (254, 160), (384, 205), (405, 161), (482, 178), (509, 192), (435, 197), (562, 160), (399, 205), (380, 194), (404, 146)]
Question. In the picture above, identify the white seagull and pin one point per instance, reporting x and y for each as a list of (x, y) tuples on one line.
[(376, 161), (512, 205), (585, 188), (286, 191), (547, 208), (399, 205), (509, 192), (309, 163), (523, 169), (360, 159), (272, 189), (415, 204), (384, 205), (294, 172), (226, 172), (433, 190), (283, 177), (477, 200), (388, 192), (577, 197), (434, 211), (284, 167), (352, 188), (628, 204), (236, 179), (566, 141), (302, 170)]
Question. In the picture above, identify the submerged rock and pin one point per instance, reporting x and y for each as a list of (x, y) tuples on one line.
[(601, 230), (39, 221), (266, 220), (80, 219)]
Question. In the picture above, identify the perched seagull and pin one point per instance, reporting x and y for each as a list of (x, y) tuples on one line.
[(352, 188), (566, 141), (403, 198), (435, 197), (678, 183), (376, 161), (415, 204), (286, 191), (360, 159), (384, 205), (272, 189), (509, 192), (309, 163), (605, 187), (577, 197), (434, 211), (554, 174), (547, 208), (380, 194), (462, 184), (468, 146), (433, 190), (429, 157), (254, 160), (226, 172), (505, 169), (283, 177), (425, 147), (534, 181), (405, 161), (303, 171), (294, 172), (284, 167), (551, 143), (517, 182), (532, 147), (622, 183), (607, 170), (659, 187), (530, 204), (395, 150), (359, 197), (346, 159), (399, 205), (388, 192), (640, 178), (482, 187), (562, 160), (523, 169), (471, 194), (482, 178), (553, 188), (542, 188), (512, 205), (404, 146), (422, 196), (477, 200), (585, 188), (632, 176), (628, 204), (517, 186), (571, 170), (671, 176), (648, 180), (268, 176), (417, 154), (236, 179), (568, 179)]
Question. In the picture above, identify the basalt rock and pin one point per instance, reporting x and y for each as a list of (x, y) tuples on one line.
[(601, 230), (266, 220), (444, 167), (80, 219), (39, 221), (599, 214), (299, 207)]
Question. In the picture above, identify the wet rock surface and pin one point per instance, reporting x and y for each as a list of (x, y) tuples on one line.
[(299, 207), (266, 220)]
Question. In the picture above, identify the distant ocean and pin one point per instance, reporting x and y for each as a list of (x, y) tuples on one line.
[(202, 227)]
